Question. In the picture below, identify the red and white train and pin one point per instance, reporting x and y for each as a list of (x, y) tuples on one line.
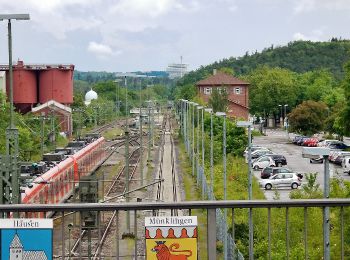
[(58, 183)]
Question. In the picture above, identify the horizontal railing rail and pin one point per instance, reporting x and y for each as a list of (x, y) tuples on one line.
[(179, 205), (290, 229)]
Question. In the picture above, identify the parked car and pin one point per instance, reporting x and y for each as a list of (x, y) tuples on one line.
[(279, 160), (346, 164), (267, 172), (262, 162), (325, 142), (316, 160), (259, 153), (301, 140), (291, 180), (310, 142), (253, 148), (337, 145), (296, 139), (339, 158)]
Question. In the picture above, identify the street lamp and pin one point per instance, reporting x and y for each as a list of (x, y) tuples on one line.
[(223, 114), (193, 155), (312, 153), (248, 125), (197, 152), (285, 123), (117, 94), (12, 175), (210, 110), (281, 118)]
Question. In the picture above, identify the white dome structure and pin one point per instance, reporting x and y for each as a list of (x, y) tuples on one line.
[(89, 96)]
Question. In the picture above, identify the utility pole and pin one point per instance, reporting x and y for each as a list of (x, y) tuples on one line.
[(141, 134), (197, 149), (149, 130), (42, 133), (203, 154), (9, 183), (53, 128), (127, 155)]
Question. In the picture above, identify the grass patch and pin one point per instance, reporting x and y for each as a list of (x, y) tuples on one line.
[(191, 194), (112, 133)]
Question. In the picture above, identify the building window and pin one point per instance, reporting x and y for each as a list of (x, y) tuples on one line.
[(207, 91), (238, 90)]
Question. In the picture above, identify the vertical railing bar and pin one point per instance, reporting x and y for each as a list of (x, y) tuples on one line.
[(233, 232), (135, 233), (305, 232), (99, 231), (117, 234), (269, 232), (287, 232), (63, 236), (190, 212), (211, 234), (342, 231), (251, 235), (81, 234)]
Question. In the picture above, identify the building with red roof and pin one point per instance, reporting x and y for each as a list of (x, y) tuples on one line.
[(237, 92)]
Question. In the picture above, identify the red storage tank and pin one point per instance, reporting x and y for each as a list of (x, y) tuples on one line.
[(56, 84), (25, 93)]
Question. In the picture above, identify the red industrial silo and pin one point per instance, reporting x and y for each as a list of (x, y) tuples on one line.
[(56, 84), (25, 93)]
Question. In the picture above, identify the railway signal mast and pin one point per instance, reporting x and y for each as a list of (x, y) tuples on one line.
[(9, 184)]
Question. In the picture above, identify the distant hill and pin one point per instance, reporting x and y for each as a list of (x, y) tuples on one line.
[(297, 56), (97, 76)]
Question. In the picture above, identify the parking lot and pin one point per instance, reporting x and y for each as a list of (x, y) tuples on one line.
[(277, 142)]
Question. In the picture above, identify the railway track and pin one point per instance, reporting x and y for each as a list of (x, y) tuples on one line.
[(167, 169), (101, 246), (116, 190)]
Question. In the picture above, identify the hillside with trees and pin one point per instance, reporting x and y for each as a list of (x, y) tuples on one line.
[(297, 56)]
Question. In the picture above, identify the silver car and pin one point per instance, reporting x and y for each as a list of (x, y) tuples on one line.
[(281, 180)]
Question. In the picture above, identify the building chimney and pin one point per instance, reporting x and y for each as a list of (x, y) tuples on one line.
[(214, 71)]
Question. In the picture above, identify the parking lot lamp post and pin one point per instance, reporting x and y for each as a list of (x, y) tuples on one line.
[(209, 110), (285, 115), (312, 153), (197, 153), (203, 154), (281, 116), (286, 120), (223, 114), (193, 155), (185, 123), (248, 125)]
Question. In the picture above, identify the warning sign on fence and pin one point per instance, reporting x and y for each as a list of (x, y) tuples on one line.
[(26, 239), (171, 237)]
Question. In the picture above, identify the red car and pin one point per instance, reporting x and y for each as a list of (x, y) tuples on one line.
[(311, 142)]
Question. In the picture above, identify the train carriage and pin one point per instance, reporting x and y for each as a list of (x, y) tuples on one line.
[(57, 184)]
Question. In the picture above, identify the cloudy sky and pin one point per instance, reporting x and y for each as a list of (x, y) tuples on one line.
[(128, 35)]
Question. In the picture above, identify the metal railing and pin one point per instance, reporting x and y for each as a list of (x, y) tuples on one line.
[(297, 229)]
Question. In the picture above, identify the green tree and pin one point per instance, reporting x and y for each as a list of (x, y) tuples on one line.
[(345, 115), (218, 100), (270, 87), (308, 118), (227, 70), (187, 92)]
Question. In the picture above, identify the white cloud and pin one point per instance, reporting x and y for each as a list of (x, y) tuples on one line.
[(315, 36), (102, 51), (148, 8), (302, 6)]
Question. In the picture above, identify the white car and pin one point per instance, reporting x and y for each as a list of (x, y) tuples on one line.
[(280, 180), (258, 153), (262, 162)]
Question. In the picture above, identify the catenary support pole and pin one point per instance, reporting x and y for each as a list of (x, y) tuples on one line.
[(326, 214)]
